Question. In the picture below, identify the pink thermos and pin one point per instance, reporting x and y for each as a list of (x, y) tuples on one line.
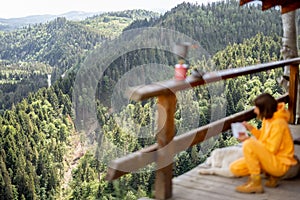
[(180, 71), (181, 49)]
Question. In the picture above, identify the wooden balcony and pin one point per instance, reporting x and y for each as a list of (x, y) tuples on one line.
[(191, 185)]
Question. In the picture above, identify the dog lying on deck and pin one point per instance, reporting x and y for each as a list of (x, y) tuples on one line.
[(220, 159)]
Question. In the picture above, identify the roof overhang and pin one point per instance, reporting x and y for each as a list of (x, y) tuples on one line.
[(286, 5)]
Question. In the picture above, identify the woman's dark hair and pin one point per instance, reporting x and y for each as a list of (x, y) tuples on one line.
[(266, 104)]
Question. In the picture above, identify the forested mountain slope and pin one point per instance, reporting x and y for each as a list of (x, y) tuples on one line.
[(62, 43), (11, 24), (33, 137), (35, 132), (218, 24), (111, 24), (59, 45)]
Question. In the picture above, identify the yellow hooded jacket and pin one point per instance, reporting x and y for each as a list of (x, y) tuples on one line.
[(275, 135)]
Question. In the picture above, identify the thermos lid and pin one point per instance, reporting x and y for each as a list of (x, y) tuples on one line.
[(181, 66)]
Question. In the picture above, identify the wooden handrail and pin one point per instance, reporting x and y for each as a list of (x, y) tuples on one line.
[(172, 86), (143, 157), (167, 146)]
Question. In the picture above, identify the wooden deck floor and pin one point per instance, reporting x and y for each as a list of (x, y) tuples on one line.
[(192, 186)]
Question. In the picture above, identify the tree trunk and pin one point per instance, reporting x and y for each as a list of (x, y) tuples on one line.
[(290, 45)]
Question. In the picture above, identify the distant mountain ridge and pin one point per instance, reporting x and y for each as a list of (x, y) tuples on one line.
[(15, 23)]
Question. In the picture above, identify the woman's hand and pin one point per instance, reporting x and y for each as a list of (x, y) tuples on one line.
[(248, 126), (243, 136)]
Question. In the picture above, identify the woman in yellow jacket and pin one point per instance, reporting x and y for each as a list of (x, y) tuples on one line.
[(269, 150)]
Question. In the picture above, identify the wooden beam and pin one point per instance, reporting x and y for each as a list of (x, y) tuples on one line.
[(293, 91), (286, 5), (242, 2), (267, 5), (180, 143), (290, 7), (124, 165), (166, 132), (172, 86)]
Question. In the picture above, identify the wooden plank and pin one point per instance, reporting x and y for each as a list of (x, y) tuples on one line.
[(190, 188), (289, 6), (215, 187), (172, 86), (242, 2), (293, 90), (224, 187), (166, 131), (122, 166), (208, 182), (268, 4), (184, 192)]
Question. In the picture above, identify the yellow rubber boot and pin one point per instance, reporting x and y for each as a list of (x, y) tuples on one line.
[(272, 182), (252, 186)]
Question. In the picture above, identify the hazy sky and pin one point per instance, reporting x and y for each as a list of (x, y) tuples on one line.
[(22, 8)]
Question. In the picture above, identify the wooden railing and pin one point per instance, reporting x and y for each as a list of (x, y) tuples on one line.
[(167, 145)]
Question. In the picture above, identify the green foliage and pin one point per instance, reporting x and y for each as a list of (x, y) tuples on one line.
[(33, 136), (220, 23), (19, 79), (59, 43), (35, 132), (29, 54), (112, 24)]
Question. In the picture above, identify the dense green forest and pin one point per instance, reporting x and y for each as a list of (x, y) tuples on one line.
[(18, 79), (41, 142), (219, 23), (59, 44)]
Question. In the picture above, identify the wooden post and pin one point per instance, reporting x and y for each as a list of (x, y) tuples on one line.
[(166, 131), (293, 91)]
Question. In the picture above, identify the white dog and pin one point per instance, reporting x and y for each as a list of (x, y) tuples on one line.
[(220, 159)]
